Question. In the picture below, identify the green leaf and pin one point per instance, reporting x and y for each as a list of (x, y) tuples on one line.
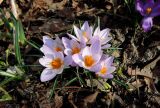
[(5, 96), (21, 33)]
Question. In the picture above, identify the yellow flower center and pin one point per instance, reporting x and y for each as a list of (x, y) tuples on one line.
[(56, 63), (75, 50), (88, 61), (148, 10), (103, 71), (58, 49)]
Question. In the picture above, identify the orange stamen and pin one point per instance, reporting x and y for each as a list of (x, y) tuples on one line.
[(58, 49), (75, 50), (103, 71), (148, 10), (56, 63), (88, 61)]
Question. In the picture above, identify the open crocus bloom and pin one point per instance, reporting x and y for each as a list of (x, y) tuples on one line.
[(90, 56), (72, 47), (105, 68), (149, 9), (84, 34), (54, 65), (50, 44), (103, 36)]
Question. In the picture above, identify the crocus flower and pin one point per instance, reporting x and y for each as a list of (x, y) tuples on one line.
[(54, 64), (90, 56), (103, 36), (52, 45), (105, 68), (148, 9), (84, 34), (72, 47)]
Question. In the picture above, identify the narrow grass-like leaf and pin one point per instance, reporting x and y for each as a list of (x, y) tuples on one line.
[(53, 88), (21, 33), (33, 44), (6, 96), (16, 43), (3, 73), (120, 83)]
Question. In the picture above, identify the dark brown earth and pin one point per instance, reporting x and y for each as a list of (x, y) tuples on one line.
[(137, 59)]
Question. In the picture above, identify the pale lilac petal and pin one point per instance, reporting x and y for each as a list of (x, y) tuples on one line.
[(66, 42), (73, 37), (105, 39), (109, 76), (111, 69), (48, 41), (68, 60), (97, 31), (96, 47), (109, 61), (47, 75), (77, 58), (104, 57), (147, 23), (47, 50), (58, 40), (106, 46), (86, 51), (105, 32), (96, 68), (45, 61), (85, 26), (78, 33), (68, 51), (58, 71), (59, 55)]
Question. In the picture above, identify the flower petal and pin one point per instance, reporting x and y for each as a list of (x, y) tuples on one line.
[(85, 26), (147, 23), (156, 10), (86, 51), (47, 75), (106, 46), (96, 47), (66, 42), (68, 60), (140, 6), (109, 76), (48, 41), (45, 61), (46, 50), (77, 58), (109, 61), (78, 33), (111, 69)]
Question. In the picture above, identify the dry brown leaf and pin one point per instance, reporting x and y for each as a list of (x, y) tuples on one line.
[(146, 71), (136, 84), (70, 99), (58, 100), (58, 5), (90, 99)]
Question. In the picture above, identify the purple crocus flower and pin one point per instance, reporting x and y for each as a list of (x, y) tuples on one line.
[(51, 45), (72, 47), (89, 56), (148, 9), (104, 68)]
